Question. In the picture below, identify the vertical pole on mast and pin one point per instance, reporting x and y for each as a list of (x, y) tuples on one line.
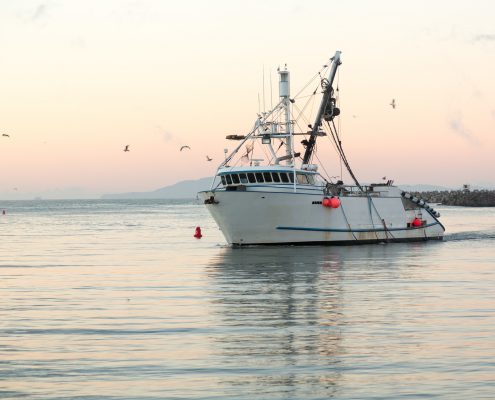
[(284, 92)]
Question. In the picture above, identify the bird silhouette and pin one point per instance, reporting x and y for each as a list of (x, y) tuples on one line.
[(185, 147), (393, 103), (208, 158), (5, 134), (126, 148)]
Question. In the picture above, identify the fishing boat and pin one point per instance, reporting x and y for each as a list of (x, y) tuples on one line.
[(272, 190)]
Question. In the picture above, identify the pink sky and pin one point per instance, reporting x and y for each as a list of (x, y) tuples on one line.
[(80, 80)]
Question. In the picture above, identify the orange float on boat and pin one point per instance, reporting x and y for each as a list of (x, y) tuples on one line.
[(334, 202), (416, 222)]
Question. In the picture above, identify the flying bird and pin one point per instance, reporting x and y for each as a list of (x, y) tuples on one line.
[(393, 103), (5, 134), (208, 158), (185, 147), (126, 148)]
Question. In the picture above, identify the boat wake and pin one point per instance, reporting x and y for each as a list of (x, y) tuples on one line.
[(470, 235)]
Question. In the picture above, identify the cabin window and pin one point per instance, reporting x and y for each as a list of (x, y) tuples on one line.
[(259, 177), (284, 177), (302, 179), (267, 176), (235, 178), (251, 177), (275, 177), (243, 178), (229, 179), (291, 177), (224, 182), (311, 179)]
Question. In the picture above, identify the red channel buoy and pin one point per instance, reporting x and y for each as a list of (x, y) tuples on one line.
[(198, 234), (416, 222), (334, 202)]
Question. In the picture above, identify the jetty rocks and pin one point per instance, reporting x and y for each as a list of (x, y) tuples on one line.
[(466, 198)]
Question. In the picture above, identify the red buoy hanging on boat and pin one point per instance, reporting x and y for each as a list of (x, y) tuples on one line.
[(198, 234), (416, 222), (325, 202), (334, 202)]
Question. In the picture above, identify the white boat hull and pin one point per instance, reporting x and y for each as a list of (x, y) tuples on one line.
[(258, 217)]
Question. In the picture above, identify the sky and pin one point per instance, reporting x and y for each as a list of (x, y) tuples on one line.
[(79, 80)]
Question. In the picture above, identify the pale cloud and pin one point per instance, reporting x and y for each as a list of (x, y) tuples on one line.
[(166, 135), (78, 42), (40, 11), (457, 125), (484, 38)]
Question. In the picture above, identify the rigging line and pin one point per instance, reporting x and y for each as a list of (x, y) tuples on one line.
[(309, 98), (336, 143), (323, 168), (300, 116), (341, 151), (387, 231), (323, 69), (371, 215), (336, 151), (340, 146), (332, 142), (347, 221), (303, 97)]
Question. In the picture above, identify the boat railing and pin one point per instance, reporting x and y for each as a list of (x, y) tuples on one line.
[(332, 189)]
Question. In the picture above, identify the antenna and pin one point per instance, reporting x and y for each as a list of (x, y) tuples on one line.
[(271, 91), (264, 107)]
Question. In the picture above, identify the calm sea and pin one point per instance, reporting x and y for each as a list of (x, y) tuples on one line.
[(116, 300)]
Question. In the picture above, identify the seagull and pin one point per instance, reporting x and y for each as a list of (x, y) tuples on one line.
[(208, 158), (5, 134), (393, 103), (185, 147), (126, 148)]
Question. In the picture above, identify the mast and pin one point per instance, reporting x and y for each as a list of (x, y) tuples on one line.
[(327, 108), (284, 93)]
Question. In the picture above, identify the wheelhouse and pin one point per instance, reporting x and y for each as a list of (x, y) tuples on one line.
[(269, 177)]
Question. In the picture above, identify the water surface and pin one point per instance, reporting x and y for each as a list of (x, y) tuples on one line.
[(116, 300)]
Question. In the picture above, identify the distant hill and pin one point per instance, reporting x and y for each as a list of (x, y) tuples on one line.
[(180, 190)]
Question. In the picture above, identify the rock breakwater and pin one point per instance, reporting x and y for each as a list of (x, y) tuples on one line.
[(474, 198)]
